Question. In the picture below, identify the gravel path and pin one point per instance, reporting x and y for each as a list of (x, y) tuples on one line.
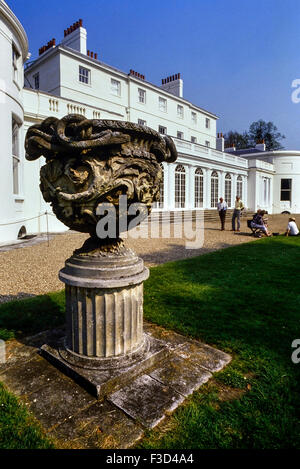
[(32, 270)]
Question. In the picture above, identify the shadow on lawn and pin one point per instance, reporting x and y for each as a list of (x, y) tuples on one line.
[(27, 317)]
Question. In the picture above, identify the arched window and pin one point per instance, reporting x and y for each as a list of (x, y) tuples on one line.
[(179, 186), (198, 188), (160, 203), (228, 189), (239, 186), (214, 189)]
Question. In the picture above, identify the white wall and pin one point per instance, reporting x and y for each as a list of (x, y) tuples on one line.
[(287, 166), (11, 84)]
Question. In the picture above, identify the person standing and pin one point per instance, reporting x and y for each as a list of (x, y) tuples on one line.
[(222, 207), (239, 206)]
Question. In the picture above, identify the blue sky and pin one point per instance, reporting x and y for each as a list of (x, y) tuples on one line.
[(237, 58)]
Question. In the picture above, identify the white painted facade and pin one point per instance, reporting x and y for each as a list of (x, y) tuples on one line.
[(13, 53), (66, 79), (284, 165)]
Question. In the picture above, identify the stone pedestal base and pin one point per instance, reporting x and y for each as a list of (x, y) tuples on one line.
[(104, 303), (105, 345), (102, 377)]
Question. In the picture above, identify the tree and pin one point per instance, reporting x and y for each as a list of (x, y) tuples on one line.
[(267, 131), (240, 141)]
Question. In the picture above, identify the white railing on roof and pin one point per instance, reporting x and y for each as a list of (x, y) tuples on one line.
[(195, 149)]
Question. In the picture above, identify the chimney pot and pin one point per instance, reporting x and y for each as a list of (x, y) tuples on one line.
[(92, 55), (96, 55), (80, 22)]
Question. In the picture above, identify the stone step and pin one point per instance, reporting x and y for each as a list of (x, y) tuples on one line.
[(187, 215)]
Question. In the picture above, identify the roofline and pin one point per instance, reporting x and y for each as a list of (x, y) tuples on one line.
[(273, 153), (129, 77), (18, 28)]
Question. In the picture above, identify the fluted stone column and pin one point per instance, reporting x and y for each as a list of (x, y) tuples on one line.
[(104, 304)]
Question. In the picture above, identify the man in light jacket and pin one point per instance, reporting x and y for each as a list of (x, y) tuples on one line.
[(239, 206)]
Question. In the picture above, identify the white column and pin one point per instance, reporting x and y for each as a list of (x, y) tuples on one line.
[(271, 195), (207, 188), (233, 189), (245, 190), (221, 184)]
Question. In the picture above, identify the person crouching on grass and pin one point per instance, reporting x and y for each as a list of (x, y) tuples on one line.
[(292, 228), (222, 207), (258, 222)]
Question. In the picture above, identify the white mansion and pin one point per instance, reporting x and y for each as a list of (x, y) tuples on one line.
[(68, 78)]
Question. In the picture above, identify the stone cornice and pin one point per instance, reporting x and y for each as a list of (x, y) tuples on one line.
[(17, 27)]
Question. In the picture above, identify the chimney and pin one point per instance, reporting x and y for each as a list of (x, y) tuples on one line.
[(260, 145), (48, 46), (136, 74), (173, 84), (230, 149), (220, 142), (75, 37)]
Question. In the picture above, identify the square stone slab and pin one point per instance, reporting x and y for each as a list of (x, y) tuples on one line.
[(100, 425), (146, 400), (181, 375), (203, 355), (28, 377), (57, 401)]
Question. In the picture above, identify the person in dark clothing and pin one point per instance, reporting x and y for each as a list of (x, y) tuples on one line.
[(222, 207), (258, 222)]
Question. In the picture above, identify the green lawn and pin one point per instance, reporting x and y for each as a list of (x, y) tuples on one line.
[(244, 300)]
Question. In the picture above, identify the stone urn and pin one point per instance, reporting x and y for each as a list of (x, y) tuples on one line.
[(94, 171)]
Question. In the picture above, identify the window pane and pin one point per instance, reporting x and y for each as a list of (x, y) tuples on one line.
[(16, 175), (179, 110), (286, 183), (162, 104), (285, 195), (198, 188), (179, 186), (36, 81), (115, 87), (15, 138), (142, 96), (214, 189), (84, 75)]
